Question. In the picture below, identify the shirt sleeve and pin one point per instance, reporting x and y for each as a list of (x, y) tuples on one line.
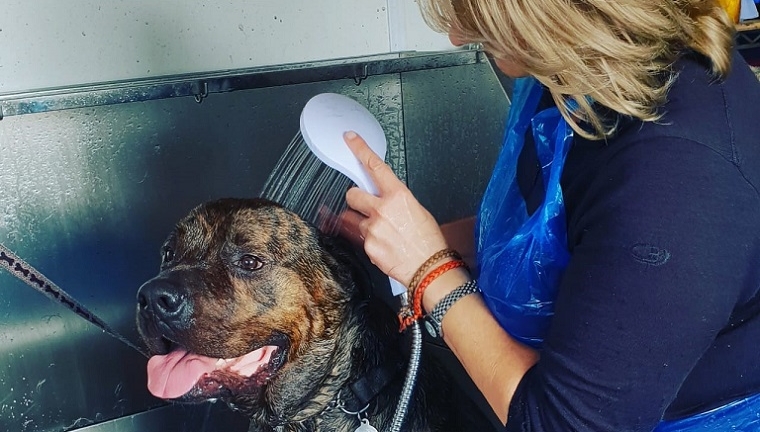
[(659, 252)]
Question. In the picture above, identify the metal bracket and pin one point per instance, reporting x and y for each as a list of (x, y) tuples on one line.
[(203, 94), (359, 78)]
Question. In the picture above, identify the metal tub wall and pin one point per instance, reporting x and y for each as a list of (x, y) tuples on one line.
[(90, 191)]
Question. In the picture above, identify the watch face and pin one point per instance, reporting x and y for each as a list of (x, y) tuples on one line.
[(431, 327)]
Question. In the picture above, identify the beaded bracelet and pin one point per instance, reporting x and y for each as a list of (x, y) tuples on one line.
[(408, 316)]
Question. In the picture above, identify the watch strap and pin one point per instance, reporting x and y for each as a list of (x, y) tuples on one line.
[(435, 317)]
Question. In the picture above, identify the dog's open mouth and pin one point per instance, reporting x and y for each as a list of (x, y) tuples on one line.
[(189, 377)]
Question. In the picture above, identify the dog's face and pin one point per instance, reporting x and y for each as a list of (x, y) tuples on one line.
[(245, 288)]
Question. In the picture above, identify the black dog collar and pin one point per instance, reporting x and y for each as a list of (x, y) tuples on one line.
[(372, 383)]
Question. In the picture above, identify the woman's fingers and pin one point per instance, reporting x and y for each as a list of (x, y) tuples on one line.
[(398, 234), (361, 201), (380, 173)]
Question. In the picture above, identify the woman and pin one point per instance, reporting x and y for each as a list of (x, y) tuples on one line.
[(657, 312)]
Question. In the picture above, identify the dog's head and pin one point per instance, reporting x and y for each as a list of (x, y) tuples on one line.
[(245, 288)]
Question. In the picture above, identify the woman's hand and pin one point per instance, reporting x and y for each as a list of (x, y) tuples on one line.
[(398, 233)]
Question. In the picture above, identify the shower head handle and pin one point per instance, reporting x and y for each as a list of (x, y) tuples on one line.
[(324, 120)]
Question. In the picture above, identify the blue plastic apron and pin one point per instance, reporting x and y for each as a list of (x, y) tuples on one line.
[(521, 258)]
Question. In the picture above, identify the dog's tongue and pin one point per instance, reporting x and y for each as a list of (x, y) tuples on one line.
[(171, 376)]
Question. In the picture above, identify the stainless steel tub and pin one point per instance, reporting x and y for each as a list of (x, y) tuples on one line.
[(94, 177)]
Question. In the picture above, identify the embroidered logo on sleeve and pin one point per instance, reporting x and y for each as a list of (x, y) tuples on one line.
[(650, 254)]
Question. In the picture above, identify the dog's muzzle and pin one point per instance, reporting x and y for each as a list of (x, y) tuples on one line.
[(175, 372), (164, 302)]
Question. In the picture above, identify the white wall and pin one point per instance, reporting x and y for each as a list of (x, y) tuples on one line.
[(52, 43)]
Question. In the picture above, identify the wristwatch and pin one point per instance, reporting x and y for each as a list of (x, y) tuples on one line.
[(434, 318)]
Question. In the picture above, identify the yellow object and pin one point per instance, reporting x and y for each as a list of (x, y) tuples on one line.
[(733, 7)]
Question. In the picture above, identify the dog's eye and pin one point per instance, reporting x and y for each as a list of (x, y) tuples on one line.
[(167, 255), (250, 263)]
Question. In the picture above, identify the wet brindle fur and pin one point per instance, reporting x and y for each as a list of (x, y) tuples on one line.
[(306, 293)]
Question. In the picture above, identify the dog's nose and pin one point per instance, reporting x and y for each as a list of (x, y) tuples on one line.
[(164, 299)]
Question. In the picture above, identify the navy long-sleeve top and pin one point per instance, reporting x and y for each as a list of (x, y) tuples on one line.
[(658, 313)]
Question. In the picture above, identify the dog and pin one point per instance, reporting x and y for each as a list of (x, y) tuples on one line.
[(256, 307)]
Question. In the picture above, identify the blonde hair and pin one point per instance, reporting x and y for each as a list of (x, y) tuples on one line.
[(618, 54)]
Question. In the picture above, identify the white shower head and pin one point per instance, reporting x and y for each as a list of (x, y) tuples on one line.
[(324, 120)]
